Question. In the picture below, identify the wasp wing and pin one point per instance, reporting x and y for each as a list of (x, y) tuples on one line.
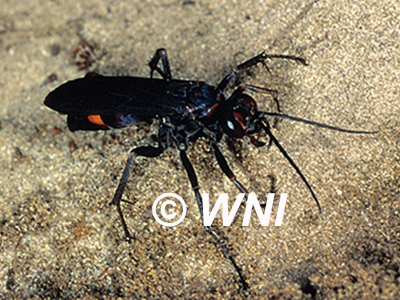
[(98, 102)]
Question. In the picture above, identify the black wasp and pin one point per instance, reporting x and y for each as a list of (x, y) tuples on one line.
[(185, 110)]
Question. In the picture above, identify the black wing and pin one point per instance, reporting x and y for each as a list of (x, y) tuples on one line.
[(98, 102)]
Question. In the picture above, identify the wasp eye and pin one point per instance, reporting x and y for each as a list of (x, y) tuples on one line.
[(233, 126), (230, 125)]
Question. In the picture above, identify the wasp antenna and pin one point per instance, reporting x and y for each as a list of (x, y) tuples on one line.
[(266, 127), (282, 116)]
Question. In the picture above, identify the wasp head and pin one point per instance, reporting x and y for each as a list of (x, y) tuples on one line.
[(242, 118)]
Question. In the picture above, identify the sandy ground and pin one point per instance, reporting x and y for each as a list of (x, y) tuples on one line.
[(61, 239)]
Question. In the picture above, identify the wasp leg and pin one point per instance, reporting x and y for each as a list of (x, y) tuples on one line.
[(260, 90), (146, 151), (223, 164), (153, 64), (227, 171), (261, 58), (193, 181)]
